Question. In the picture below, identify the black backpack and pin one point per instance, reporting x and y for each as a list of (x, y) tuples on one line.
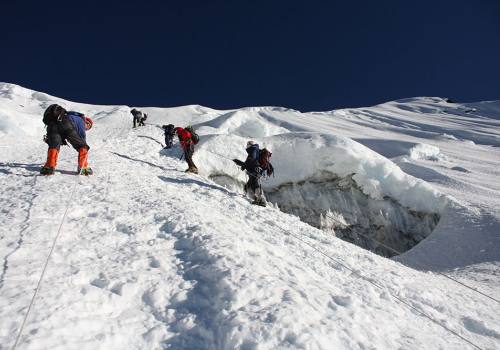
[(169, 129), (53, 114), (194, 136)]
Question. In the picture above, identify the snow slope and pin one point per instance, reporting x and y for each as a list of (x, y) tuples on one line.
[(148, 257)]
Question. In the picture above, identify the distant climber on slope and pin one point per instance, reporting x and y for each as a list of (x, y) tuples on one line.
[(63, 127), (188, 138), (139, 117), (256, 165), (169, 134)]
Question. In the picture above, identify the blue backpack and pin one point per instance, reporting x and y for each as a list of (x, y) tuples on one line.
[(253, 152), (77, 119)]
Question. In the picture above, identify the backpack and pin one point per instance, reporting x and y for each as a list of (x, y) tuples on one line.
[(136, 113), (53, 114), (265, 164), (194, 136), (169, 129), (78, 120)]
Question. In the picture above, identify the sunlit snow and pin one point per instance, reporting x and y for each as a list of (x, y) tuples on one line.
[(149, 257)]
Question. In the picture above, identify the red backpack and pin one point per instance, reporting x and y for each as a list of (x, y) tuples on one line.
[(265, 164)]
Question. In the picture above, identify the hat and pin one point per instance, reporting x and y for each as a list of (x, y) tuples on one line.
[(88, 123)]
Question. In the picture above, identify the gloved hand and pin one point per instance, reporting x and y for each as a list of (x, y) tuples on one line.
[(270, 170), (45, 139), (238, 162)]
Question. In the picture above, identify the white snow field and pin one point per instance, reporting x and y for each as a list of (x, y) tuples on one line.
[(144, 256)]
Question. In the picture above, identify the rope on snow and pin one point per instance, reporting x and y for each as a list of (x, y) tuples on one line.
[(381, 287), (32, 303), (436, 272)]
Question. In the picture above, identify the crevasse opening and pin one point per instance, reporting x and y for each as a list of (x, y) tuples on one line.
[(337, 205)]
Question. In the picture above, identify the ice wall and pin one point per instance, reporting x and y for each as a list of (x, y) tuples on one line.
[(338, 205)]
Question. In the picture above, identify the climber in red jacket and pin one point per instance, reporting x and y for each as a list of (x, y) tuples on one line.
[(188, 138)]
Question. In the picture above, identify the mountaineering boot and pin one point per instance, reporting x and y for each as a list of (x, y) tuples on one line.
[(260, 202), (192, 169), (46, 171), (259, 197), (83, 166), (86, 171), (50, 164)]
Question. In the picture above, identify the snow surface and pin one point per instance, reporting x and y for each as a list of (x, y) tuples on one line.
[(149, 257)]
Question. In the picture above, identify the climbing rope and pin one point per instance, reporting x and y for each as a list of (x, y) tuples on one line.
[(436, 272), (381, 287), (32, 303)]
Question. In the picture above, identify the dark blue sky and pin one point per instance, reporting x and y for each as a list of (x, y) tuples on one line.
[(307, 55)]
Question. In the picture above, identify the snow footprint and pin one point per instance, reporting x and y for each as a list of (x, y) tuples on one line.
[(154, 262), (344, 301), (459, 168), (100, 282), (117, 288), (124, 228), (479, 327)]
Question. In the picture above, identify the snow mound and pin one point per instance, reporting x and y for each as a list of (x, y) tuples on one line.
[(312, 156), (320, 174), (249, 124), (424, 152)]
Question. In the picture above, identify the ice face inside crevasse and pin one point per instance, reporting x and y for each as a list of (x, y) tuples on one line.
[(338, 205)]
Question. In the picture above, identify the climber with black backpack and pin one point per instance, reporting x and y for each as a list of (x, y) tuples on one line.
[(139, 117), (257, 165), (62, 127)]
